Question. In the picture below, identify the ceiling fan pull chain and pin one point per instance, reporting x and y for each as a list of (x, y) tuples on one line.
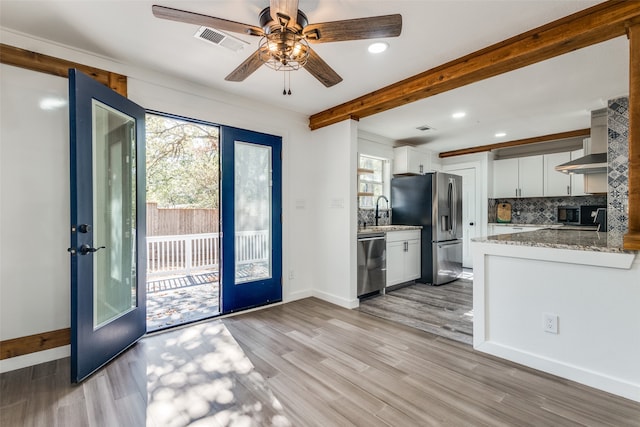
[(284, 84), (289, 73)]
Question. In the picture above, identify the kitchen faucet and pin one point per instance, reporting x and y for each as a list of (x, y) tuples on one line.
[(377, 208)]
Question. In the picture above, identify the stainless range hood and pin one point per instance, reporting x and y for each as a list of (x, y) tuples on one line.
[(591, 163), (595, 148)]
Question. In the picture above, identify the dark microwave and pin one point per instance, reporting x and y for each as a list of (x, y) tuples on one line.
[(578, 215), (569, 214)]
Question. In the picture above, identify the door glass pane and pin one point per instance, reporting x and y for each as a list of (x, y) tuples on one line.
[(114, 178), (252, 211)]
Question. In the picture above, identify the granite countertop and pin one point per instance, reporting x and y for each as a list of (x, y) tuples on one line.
[(551, 226), (516, 224), (387, 228), (561, 238)]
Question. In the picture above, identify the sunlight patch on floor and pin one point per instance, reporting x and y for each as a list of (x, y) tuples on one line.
[(201, 376)]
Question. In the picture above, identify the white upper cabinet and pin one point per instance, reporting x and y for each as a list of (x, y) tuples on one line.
[(505, 178), (408, 160), (577, 179), (536, 176), (556, 183), (521, 177), (530, 177)]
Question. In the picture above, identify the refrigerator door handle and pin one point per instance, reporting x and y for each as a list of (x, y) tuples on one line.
[(452, 203), (454, 208)]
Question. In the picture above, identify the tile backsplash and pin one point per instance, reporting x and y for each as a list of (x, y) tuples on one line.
[(368, 216), (618, 170), (541, 210)]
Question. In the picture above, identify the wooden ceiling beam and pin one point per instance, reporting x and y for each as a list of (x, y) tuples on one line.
[(632, 238), (599, 23), (34, 61), (544, 138)]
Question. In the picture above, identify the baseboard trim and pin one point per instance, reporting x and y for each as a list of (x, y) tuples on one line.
[(342, 302), (571, 372), (34, 343), (33, 359), (294, 296)]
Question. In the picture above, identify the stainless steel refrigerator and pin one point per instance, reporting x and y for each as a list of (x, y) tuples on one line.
[(433, 201)]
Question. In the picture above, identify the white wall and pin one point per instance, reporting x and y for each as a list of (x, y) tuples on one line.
[(375, 145), (334, 190), (34, 204), (595, 295), (34, 190)]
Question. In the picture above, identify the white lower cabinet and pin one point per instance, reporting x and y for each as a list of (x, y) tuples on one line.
[(403, 256)]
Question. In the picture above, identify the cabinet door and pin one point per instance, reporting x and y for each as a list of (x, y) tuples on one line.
[(495, 230), (412, 261), (395, 263), (505, 178), (556, 183), (414, 162), (408, 160), (577, 179), (530, 176)]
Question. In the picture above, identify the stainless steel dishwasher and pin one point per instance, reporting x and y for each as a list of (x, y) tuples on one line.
[(372, 263)]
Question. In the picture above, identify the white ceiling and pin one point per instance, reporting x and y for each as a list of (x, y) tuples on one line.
[(549, 97)]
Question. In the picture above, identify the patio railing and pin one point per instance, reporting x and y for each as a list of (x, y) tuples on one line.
[(183, 254)]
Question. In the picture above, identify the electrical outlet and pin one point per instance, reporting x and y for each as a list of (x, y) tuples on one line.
[(291, 275), (550, 323)]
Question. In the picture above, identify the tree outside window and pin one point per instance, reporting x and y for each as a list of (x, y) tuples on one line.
[(371, 179)]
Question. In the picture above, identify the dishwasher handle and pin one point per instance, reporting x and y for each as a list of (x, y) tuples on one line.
[(366, 239)]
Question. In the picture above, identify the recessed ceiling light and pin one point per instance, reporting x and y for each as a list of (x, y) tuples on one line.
[(500, 134), (458, 115), (378, 47)]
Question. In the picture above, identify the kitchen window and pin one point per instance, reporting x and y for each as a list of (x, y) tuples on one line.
[(373, 180)]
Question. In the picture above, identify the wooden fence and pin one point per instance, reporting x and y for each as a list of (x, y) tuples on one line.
[(180, 221)]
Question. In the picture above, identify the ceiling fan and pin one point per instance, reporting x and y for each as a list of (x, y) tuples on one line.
[(286, 34)]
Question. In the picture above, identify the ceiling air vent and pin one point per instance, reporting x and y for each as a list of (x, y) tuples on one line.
[(220, 38)]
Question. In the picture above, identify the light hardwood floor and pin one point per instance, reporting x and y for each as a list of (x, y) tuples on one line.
[(306, 363), (445, 310)]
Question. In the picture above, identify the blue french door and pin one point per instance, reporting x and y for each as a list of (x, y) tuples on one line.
[(251, 207), (108, 302)]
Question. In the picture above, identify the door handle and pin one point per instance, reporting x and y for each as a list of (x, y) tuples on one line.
[(85, 249), (81, 228)]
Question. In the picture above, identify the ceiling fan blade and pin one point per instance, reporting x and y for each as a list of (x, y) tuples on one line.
[(354, 29), (321, 70), (205, 20), (284, 7), (245, 69)]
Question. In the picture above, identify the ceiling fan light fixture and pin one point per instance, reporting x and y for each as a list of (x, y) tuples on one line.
[(284, 50), (378, 47)]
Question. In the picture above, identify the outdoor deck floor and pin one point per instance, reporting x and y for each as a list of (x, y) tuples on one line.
[(177, 300), (174, 300)]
